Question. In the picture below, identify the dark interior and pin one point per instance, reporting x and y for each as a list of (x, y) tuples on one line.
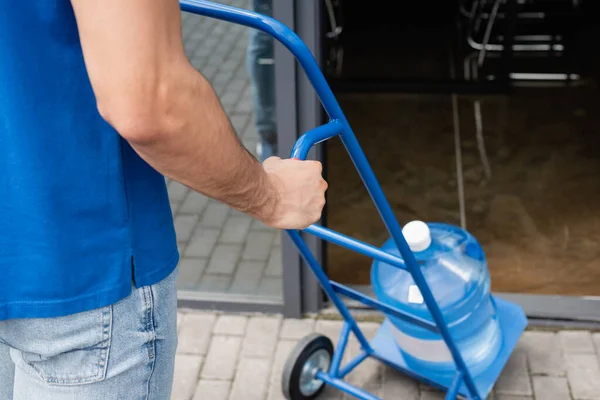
[(530, 170)]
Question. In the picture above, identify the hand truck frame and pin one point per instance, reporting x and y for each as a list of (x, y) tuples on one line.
[(314, 361)]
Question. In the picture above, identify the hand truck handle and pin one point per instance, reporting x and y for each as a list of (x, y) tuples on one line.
[(314, 136)]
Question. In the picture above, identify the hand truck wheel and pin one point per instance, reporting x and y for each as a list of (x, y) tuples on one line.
[(311, 354)]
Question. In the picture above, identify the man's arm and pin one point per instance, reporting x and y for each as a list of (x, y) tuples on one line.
[(148, 91)]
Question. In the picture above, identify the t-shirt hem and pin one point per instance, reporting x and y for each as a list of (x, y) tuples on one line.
[(150, 278), (41, 309)]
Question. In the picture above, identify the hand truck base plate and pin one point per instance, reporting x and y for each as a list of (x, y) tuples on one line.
[(512, 322)]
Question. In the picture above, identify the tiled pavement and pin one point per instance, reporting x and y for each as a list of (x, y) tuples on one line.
[(223, 250), (240, 357)]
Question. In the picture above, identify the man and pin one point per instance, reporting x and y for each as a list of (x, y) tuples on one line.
[(97, 102)]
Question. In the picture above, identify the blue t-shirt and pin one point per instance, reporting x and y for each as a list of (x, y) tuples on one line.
[(82, 216)]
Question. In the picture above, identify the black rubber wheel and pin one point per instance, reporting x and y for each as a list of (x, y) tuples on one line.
[(312, 352)]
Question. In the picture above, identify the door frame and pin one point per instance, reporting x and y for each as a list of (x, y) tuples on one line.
[(298, 110)]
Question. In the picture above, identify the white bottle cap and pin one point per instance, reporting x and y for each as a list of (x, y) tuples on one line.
[(417, 235)]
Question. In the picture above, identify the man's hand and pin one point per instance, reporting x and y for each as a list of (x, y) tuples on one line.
[(148, 91), (300, 190)]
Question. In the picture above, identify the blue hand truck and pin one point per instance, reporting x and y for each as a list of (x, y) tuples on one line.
[(314, 362)]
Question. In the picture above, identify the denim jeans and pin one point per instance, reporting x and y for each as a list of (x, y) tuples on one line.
[(260, 65), (122, 351)]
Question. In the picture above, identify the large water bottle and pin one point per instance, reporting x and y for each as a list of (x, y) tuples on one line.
[(454, 266)]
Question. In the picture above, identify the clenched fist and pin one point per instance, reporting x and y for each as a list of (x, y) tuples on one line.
[(299, 190)]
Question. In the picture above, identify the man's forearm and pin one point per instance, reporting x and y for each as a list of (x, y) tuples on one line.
[(149, 92), (198, 147)]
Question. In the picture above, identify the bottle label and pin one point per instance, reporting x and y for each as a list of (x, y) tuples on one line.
[(414, 295)]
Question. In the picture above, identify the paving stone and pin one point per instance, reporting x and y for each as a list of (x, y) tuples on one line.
[(250, 131), (244, 106), (331, 329), (180, 317), (551, 388), (196, 36), (228, 108), (261, 336), (231, 97), (224, 259), (596, 339), (235, 230), (190, 25), (230, 325), (432, 396), (514, 379), (247, 277), (177, 191), (215, 61), (259, 225), (198, 63), (331, 393), (195, 333), (240, 73), (190, 271), (275, 393), (194, 203), (426, 388), (238, 121), (230, 102), (250, 145), (275, 263), (296, 329), (544, 352), (237, 86), (283, 350), (213, 390), (214, 215), (209, 71), (576, 342), (219, 88), (184, 226), (228, 66), (174, 208), (221, 360), (583, 373), (237, 213), (258, 246), (190, 45), (509, 397), (251, 379), (270, 287), (185, 376), (369, 373), (398, 386), (214, 283), (202, 243)]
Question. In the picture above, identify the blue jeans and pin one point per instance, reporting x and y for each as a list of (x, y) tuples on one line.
[(260, 65), (122, 351)]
